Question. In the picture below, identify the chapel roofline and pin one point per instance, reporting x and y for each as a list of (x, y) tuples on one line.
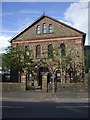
[(43, 16)]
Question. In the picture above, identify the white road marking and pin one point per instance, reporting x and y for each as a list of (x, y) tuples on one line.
[(11, 106), (78, 111), (72, 106), (75, 108)]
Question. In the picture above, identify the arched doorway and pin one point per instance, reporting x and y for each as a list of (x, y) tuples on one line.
[(40, 70)]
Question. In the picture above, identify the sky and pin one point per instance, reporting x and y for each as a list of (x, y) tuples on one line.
[(15, 16)]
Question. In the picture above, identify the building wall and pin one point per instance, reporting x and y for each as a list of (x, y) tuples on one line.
[(58, 31), (61, 34), (75, 44)]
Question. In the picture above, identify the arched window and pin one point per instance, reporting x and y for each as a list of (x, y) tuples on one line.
[(50, 28), (50, 51), (38, 30), (44, 28), (38, 51), (62, 47), (27, 50)]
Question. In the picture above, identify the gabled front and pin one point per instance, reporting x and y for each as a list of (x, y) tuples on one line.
[(45, 28)]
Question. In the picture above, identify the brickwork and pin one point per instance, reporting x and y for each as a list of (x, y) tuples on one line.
[(61, 33), (44, 82), (11, 87), (58, 31), (23, 81)]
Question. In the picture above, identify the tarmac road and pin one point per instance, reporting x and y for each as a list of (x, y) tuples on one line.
[(15, 109), (44, 105)]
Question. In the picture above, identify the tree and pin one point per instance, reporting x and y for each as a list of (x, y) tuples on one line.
[(87, 58), (17, 58), (9, 58), (60, 61), (69, 60)]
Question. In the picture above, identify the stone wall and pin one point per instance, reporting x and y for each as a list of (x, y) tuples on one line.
[(72, 39), (59, 30), (70, 88), (11, 87), (68, 45)]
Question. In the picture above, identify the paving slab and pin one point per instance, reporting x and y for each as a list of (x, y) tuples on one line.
[(44, 97)]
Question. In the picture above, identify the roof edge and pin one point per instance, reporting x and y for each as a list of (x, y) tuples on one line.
[(42, 16), (26, 27)]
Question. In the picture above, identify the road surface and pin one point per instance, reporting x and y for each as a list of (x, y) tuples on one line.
[(15, 109)]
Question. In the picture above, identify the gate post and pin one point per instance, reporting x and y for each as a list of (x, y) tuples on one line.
[(44, 82), (23, 81)]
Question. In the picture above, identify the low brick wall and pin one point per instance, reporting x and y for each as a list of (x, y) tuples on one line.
[(12, 87), (69, 87), (73, 87)]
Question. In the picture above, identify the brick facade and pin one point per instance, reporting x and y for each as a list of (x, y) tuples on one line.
[(61, 33)]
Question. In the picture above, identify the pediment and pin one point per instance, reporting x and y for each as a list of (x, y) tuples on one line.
[(59, 30)]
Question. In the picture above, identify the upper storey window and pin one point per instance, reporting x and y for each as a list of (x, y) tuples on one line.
[(62, 47), (38, 51), (50, 51), (44, 28), (50, 28), (38, 29)]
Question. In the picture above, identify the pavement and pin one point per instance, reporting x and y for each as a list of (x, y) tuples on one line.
[(39, 96)]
